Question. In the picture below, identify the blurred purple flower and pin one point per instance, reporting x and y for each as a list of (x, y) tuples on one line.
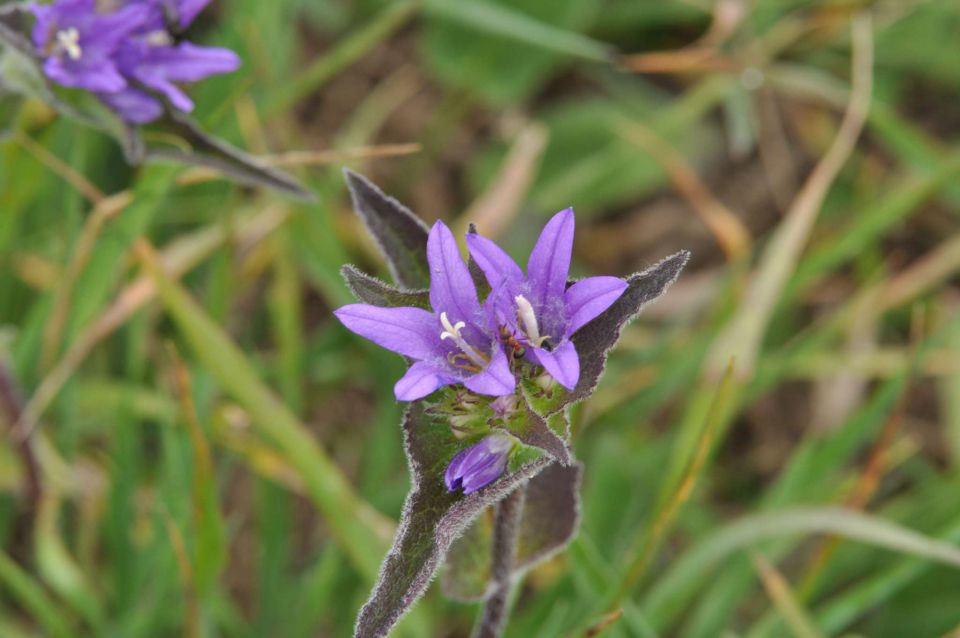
[(479, 464), (77, 43), (453, 344), (154, 60), (125, 54), (538, 309)]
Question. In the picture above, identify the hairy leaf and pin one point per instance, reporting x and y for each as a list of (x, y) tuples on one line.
[(550, 435), (401, 235), (375, 292), (595, 339), (551, 516), (432, 519), (211, 152)]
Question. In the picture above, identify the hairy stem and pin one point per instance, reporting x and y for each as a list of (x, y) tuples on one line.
[(505, 528)]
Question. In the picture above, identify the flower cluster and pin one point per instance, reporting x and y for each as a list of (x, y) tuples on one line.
[(126, 52), (524, 324)]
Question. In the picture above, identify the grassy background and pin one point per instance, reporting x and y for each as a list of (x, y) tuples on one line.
[(214, 455)]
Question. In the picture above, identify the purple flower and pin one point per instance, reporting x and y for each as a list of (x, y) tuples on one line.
[(125, 54), (77, 43), (453, 344), (539, 310), (151, 59), (479, 464)]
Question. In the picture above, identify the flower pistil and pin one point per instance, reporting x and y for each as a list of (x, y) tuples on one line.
[(528, 319), (452, 331)]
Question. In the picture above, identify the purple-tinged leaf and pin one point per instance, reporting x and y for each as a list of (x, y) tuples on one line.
[(433, 518), (595, 339), (551, 516), (206, 150), (13, 28), (401, 235), (375, 292)]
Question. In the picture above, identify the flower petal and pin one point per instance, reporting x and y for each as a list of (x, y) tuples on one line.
[(97, 76), (550, 259), (563, 363), (412, 332), (497, 265), (587, 298), (187, 62), (496, 379), (420, 380), (451, 287), (133, 106)]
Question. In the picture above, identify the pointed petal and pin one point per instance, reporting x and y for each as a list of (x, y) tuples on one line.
[(188, 62), (412, 332), (497, 265), (420, 380), (587, 298), (485, 473), (550, 259), (496, 379), (133, 106), (451, 287), (563, 364)]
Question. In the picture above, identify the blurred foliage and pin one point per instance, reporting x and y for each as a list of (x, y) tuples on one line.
[(212, 455)]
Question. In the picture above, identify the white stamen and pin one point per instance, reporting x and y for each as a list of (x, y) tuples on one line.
[(158, 39), (529, 320), (452, 331), (69, 41)]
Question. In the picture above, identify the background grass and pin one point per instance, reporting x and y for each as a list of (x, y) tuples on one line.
[(213, 455)]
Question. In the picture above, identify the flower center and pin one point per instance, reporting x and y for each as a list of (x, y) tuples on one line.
[(528, 319), (69, 42), (452, 331), (158, 39)]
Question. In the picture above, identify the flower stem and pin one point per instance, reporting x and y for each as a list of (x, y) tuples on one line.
[(506, 527)]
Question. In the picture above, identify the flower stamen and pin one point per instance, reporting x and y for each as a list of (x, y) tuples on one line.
[(452, 331), (529, 320), (69, 42)]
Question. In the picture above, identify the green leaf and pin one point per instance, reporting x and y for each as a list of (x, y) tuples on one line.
[(353, 522), (375, 292), (675, 586), (470, 43), (211, 152), (432, 519), (401, 235)]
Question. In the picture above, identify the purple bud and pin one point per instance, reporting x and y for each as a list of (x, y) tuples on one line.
[(479, 464)]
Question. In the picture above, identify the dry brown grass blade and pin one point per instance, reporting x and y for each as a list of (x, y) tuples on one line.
[(604, 623), (744, 334), (732, 236), (83, 186), (308, 158), (493, 211), (178, 258), (105, 210), (783, 597), (187, 580)]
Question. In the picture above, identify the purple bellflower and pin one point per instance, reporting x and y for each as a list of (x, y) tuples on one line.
[(453, 344), (538, 310), (125, 54), (153, 60), (77, 43), (479, 464)]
